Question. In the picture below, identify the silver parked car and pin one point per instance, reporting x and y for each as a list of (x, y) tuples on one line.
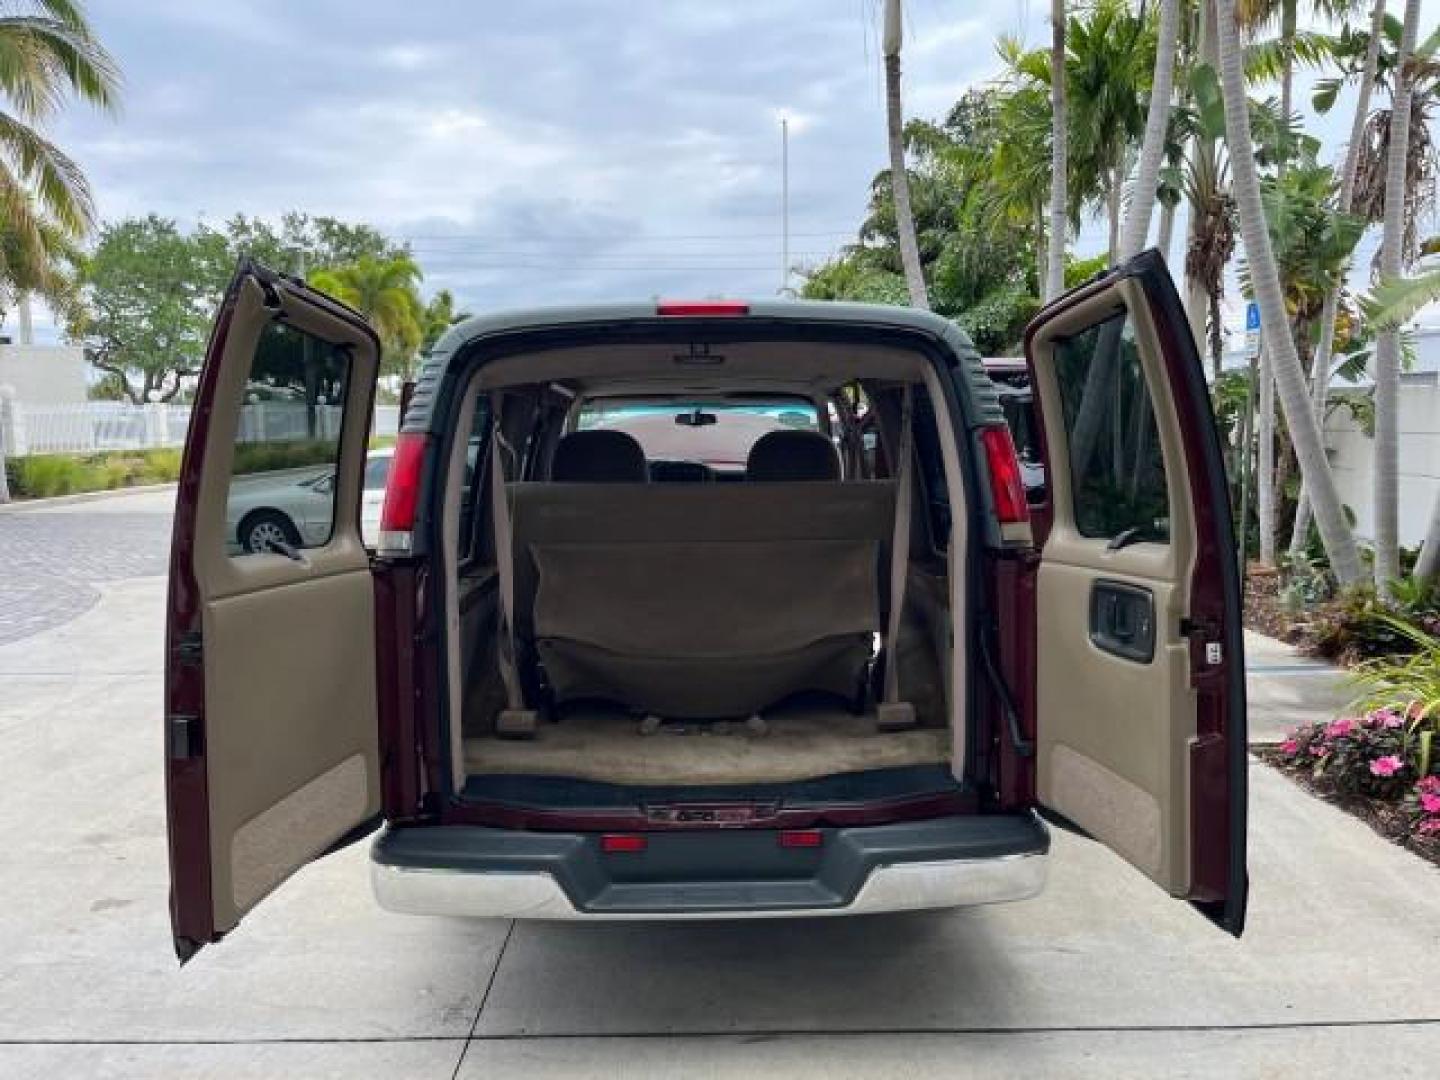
[(296, 507)]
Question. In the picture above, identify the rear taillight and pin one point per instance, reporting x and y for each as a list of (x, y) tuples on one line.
[(722, 308), (1007, 486), (402, 494)]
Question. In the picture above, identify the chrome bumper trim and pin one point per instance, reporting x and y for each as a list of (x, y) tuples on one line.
[(899, 887)]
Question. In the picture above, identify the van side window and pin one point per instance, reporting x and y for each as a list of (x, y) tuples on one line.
[(1117, 471), (287, 448)]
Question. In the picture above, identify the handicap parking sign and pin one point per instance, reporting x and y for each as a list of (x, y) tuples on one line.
[(1252, 329)]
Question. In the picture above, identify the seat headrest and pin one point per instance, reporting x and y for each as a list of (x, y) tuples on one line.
[(599, 457), (789, 454)]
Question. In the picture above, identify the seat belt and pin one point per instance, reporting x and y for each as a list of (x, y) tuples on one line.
[(515, 720), (892, 713)]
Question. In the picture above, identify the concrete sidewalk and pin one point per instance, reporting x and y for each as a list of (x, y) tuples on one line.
[(1286, 688), (1101, 976)]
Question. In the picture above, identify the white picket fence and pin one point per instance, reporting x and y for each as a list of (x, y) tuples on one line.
[(90, 426)]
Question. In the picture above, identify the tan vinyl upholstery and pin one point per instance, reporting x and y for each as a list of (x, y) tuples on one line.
[(700, 601)]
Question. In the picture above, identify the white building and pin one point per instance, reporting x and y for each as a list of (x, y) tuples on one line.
[(44, 374)]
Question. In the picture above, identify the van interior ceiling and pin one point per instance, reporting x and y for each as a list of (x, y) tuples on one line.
[(683, 575)]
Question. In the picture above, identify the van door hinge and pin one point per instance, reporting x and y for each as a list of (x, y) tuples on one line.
[(183, 736), (190, 649)]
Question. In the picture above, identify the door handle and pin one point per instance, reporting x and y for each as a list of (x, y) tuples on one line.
[(1122, 620)]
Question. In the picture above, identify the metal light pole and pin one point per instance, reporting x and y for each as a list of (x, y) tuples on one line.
[(784, 205)]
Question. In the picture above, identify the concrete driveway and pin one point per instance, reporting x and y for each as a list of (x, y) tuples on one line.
[(1101, 976)]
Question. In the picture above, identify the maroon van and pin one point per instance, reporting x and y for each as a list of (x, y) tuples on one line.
[(705, 609)]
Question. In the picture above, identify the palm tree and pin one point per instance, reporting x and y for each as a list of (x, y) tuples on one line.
[(47, 52), (1320, 367), (385, 291), (1059, 156), (1387, 346), (900, 182), (1290, 379), (1157, 126)]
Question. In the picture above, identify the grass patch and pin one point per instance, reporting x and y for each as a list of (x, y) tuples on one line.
[(42, 476)]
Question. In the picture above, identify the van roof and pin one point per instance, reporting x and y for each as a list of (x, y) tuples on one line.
[(980, 404)]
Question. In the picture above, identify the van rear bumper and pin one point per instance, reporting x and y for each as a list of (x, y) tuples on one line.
[(942, 862)]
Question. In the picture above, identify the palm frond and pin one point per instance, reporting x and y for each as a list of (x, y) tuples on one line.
[(59, 184), (1396, 300)]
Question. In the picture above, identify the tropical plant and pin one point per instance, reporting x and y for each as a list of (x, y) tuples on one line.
[(1387, 347), (47, 53), (385, 291), (1321, 366), (900, 183), (439, 315), (1059, 156), (1157, 127), (1289, 376)]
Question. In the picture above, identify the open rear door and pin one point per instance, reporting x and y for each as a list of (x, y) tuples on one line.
[(271, 731), (1140, 671)]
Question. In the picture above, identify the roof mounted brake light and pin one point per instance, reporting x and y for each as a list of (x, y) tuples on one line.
[(702, 308)]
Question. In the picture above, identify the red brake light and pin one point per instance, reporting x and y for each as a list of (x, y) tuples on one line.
[(801, 838), (622, 843), (724, 308), (402, 493), (1006, 484)]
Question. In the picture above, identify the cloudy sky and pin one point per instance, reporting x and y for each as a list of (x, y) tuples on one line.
[(534, 150)]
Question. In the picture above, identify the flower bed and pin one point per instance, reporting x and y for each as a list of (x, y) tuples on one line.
[(1381, 766)]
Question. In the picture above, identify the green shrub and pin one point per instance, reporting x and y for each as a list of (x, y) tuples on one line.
[(42, 476), (274, 456), (1362, 625)]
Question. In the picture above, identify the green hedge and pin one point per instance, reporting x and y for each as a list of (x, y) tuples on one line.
[(259, 457), (40, 476)]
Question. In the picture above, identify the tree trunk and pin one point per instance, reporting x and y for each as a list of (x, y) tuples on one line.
[(1265, 460), (1165, 240), (1157, 121), (1284, 360), (1429, 561), (1112, 203), (1387, 345), (1197, 296), (899, 179), (1321, 368), (1059, 155), (1265, 480)]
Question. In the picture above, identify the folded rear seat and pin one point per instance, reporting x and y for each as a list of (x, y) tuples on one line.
[(699, 600)]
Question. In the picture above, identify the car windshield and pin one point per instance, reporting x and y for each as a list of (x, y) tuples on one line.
[(717, 433)]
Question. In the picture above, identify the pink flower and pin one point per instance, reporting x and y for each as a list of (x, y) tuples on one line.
[(1388, 765), (1430, 803), (1385, 718), (1290, 747), (1429, 825), (1338, 729), (1430, 784)]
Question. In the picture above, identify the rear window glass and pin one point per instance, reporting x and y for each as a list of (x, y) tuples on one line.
[(717, 433), (282, 487), (1117, 470)]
